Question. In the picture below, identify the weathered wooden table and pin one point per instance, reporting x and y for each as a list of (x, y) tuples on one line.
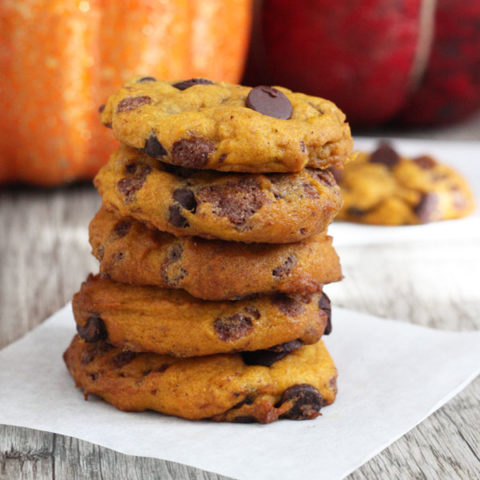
[(44, 255)]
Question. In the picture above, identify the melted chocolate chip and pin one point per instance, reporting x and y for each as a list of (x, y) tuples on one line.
[(185, 198), (94, 330), (153, 147), (236, 200), (122, 228), (146, 79), (325, 304), (386, 155), (234, 327), (425, 162), (131, 103), (307, 401), (172, 276), (286, 268), (176, 218), (123, 358), (129, 186), (269, 101), (427, 208), (190, 83), (288, 305), (271, 355), (192, 152)]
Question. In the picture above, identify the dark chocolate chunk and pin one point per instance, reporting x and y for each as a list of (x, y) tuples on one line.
[(234, 327), (153, 147), (325, 304), (121, 228), (307, 401), (185, 198), (385, 154), (271, 355), (132, 103), (426, 208), (101, 108), (176, 218), (123, 358), (94, 330), (146, 79), (192, 152), (269, 101), (425, 162), (236, 200), (286, 268), (190, 83), (288, 305)]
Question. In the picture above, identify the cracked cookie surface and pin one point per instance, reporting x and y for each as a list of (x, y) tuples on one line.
[(172, 322), (217, 387), (384, 188), (274, 208), (208, 125), (130, 252)]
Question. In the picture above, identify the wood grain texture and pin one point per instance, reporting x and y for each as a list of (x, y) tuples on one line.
[(44, 255)]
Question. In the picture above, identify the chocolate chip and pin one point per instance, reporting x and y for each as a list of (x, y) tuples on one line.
[(108, 125), (252, 311), (129, 186), (288, 305), (153, 147), (271, 355), (123, 358), (286, 268), (174, 275), (178, 171), (192, 152), (385, 154), (132, 103), (325, 304), (425, 162), (122, 228), (190, 83), (116, 257), (303, 149), (176, 218), (146, 79), (161, 368), (236, 200), (307, 401), (175, 253), (94, 330), (269, 101), (101, 108), (356, 212), (100, 253), (93, 350), (234, 327), (324, 176), (426, 208), (185, 198)]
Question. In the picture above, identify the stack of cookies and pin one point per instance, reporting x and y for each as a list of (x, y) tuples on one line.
[(213, 253)]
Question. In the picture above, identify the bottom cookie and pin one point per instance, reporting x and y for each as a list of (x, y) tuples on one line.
[(216, 387)]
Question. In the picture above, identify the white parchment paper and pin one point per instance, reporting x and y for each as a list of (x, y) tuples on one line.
[(463, 156), (391, 376)]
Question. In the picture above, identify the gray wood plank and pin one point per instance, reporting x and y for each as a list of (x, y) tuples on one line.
[(44, 255)]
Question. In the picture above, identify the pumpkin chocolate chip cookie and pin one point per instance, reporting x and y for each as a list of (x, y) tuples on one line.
[(174, 323), (232, 128), (129, 252), (385, 188), (218, 387), (275, 208)]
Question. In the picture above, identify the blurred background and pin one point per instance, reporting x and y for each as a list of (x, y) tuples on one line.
[(394, 66)]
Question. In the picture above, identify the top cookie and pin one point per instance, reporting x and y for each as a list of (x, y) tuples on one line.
[(384, 188), (232, 128)]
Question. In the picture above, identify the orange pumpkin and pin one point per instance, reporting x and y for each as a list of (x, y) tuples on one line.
[(60, 59)]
